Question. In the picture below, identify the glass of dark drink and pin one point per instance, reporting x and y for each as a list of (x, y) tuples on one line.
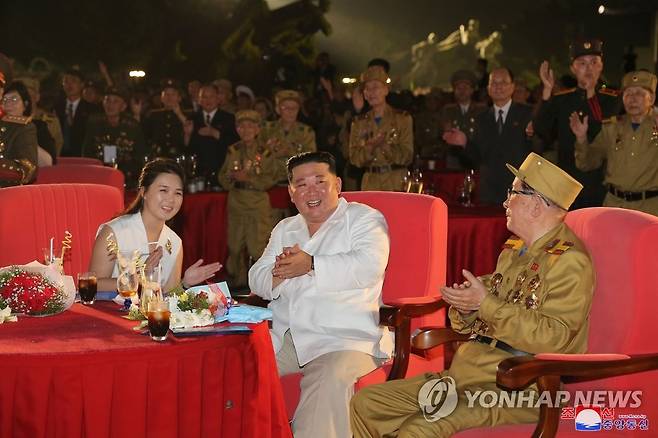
[(87, 286), (158, 319)]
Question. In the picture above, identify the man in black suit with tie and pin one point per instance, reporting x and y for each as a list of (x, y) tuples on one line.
[(73, 112), (502, 136), (212, 132)]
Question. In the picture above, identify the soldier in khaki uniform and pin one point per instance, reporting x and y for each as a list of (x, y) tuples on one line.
[(51, 120), (286, 136), (628, 145), (537, 300), (18, 147), (381, 141), (115, 128), (164, 127), (249, 171)]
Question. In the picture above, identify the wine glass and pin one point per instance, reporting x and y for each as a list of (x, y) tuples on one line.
[(127, 284), (151, 288)]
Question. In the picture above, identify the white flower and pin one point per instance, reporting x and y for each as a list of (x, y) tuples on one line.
[(6, 316)]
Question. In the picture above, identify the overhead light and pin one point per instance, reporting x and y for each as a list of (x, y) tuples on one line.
[(601, 9), (137, 73), (349, 80)]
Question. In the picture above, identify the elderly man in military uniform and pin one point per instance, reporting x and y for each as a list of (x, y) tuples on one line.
[(381, 140), (248, 172), (287, 136), (33, 87), (115, 137), (537, 301), (589, 99), (628, 145), (164, 127), (18, 147), (461, 115)]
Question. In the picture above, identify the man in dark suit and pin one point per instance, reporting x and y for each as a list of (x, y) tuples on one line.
[(73, 112), (500, 137), (212, 133)]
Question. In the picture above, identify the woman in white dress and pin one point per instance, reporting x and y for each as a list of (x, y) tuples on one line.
[(142, 227)]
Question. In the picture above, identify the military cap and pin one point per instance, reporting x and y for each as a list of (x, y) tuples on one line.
[(169, 83), (585, 46), (251, 115), (287, 95), (243, 89), (116, 91), (463, 75), (548, 179), (375, 73), (639, 78)]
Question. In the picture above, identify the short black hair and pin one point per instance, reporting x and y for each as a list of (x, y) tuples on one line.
[(507, 69), (381, 62), (311, 157), (75, 72)]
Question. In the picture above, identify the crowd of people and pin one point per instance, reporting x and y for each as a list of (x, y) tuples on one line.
[(323, 269)]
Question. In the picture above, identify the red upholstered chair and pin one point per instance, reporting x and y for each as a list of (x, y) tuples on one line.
[(32, 214), (417, 226), (623, 245), (81, 173), (79, 160)]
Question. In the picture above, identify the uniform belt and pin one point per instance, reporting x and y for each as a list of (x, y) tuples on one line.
[(499, 344), (384, 169), (632, 196)]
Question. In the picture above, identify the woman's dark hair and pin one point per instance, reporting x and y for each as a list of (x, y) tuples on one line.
[(149, 173), (21, 89)]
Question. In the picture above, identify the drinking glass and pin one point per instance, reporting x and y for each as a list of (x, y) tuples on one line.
[(151, 288), (127, 285), (158, 318), (87, 287)]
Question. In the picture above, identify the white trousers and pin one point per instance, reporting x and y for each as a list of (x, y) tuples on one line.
[(326, 389)]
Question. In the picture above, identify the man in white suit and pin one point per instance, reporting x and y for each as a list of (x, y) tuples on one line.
[(323, 271)]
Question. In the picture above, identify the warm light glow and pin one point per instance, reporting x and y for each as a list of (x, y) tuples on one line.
[(601, 9), (349, 80), (388, 81), (137, 73)]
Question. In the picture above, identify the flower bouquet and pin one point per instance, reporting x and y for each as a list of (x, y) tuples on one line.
[(35, 290), (197, 307)]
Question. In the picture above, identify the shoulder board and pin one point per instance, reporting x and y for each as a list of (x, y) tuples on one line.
[(514, 243), (304, 127), (558, 247), (609, 120), (609, 91), (567, 91), (400, 112), (21, 120)]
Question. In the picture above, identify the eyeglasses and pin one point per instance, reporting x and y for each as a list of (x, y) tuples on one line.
[(12, 99), (511, 191)]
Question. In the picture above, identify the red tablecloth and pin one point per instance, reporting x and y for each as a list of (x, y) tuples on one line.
[(446, 184), (86, 373), (475, 237)]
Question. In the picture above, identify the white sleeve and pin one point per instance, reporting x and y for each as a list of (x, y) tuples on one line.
[(260, 274)]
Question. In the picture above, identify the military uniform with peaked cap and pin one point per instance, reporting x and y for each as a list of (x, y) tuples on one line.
[(630, 155), (18, 150), (555, 113), (287, 142), (538, 301), (385, 166), (38, 113), (127, 136), (249, 210), (164, 130)]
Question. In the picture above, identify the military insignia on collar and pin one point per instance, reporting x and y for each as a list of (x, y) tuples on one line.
[(168, 246), (559, 248), (513, 243), (534, 267)]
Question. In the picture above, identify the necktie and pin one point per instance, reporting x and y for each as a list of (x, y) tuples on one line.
[(69, 113), (207, 119), (500, 122)]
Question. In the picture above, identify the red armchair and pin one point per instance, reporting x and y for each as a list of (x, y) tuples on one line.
[(32, 214), (623, 245), (416, 269), (81, 173)]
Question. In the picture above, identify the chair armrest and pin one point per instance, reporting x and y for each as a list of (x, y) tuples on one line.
[(428, 338), (519, 372), (252, 300), (397, 315)]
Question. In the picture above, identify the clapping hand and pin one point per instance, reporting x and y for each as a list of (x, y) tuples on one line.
[(547, 78), (153, 259), (578, 127), (291, 263), (198, 272), (467, 296), (455, 137)]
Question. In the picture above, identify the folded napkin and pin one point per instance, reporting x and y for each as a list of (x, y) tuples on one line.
[(249, 314)]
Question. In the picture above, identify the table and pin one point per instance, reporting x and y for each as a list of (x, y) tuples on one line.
[(86, 373), (475, 237)]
